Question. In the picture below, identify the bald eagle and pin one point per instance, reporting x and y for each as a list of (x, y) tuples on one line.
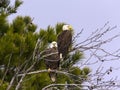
[(64, 41), (52, 60)]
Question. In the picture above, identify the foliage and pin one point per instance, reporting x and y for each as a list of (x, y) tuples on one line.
[(3, 86), (3, 24), (7, 9)]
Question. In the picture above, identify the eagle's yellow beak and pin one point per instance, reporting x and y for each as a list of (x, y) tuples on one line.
[(54, 45), (70, 27)]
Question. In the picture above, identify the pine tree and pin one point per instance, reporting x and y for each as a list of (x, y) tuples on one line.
[(17, 44)]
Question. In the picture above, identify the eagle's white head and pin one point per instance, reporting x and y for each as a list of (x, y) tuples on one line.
[(53, 44), (67, 27)]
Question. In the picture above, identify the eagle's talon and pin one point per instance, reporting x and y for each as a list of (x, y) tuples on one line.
[(49, 69)]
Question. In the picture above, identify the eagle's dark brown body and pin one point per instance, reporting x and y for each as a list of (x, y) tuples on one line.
[(52, 61), (64, 42)]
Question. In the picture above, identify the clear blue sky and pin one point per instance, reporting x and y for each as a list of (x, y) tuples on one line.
[(87, 14)]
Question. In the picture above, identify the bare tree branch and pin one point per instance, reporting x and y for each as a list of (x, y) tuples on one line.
[(6, 70)]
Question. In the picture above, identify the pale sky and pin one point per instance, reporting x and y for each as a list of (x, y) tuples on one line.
[(86, 14)]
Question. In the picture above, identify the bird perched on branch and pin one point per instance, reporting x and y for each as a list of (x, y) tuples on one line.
[(52, 60), (64, 41)]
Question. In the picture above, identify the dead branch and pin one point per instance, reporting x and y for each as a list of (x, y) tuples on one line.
[(6, 70), (54, 85), (60, 72)]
